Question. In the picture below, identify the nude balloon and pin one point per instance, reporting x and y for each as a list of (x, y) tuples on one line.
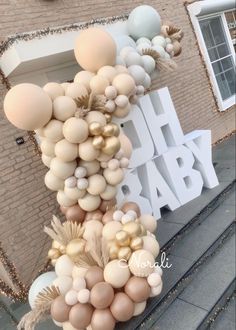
[(60, 310), (28, 106), (80, 315), (95, 48), (102, 319), (75, 213), (122, 307)]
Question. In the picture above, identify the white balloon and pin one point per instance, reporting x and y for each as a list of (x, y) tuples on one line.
[(63, 283), (142, 46), (159, 40), (64, 266), (39, 284), (144, 21), (159, 49), (123, 41), (143, 40), (138, 73), (147, 81), (149, 63), (126, 50), (133, 58)]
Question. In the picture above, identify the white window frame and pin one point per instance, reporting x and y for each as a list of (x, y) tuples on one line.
[(222, 104)]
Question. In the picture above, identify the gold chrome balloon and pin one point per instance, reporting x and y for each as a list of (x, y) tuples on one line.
[(124, 253), (95, 128), (122, 238), (54, 253), (113, 251), (112, 145), (98, 142), (136, 243), (108, 130), (132, 228), (108, 117), (75, 247)]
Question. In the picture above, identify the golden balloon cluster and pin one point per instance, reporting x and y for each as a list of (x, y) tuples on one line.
[(127, 240), (105, 138)]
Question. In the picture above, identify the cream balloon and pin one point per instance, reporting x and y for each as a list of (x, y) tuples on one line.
[(27, 106), (95, 48), (74, 193), (92, 167), (95, 116), (124, 83), (76, 90), (117, 273), (108, 72), (53, 130), (64, 200), (46, 160), (113, 177), (64, 283), (149, 222), (53, 182), (98, 84), (87, 152), (122, 112), (64, 107), (89, 202), (139, 308), (109, 192), (84, 77), (92, 227), (64, 266), (62, 169), (110, 229), (53, 90), (66, 151), (150, 244), (47, 147), (96, 184), (126, 145), (75, 130)]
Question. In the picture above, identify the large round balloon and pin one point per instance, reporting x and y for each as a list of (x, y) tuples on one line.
[(144, 21), (95, 48), (28, 106), (39, 284)]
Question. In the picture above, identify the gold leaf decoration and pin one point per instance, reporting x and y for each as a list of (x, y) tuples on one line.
[(65, 232), (90, 102), (173, 32)]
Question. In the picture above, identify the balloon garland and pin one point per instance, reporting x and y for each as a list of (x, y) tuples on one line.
[(104, 255)]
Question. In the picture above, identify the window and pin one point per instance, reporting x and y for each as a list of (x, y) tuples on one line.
[(214, 23), (219, 54)]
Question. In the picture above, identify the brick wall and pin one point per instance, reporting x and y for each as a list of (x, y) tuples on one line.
[(26, 205)]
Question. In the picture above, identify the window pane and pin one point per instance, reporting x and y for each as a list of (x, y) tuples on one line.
[(230, 76), (223, 86), (206, 32), (227, 63), (223, 50), (217, 30), (217, 67), (213, 54)]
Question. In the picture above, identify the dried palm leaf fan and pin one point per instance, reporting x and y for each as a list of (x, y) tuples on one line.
[(96, 254), (65, 232), (161, 64), (172, 32), (41, 310), (90, 102)]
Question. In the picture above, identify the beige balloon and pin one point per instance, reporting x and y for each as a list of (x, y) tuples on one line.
[(150, 244), (113, 177), (46, 160), (52, 182), (104, 157), (66, 151), (89, 202), (96, 184), (117, 273), (53, 90), (149, 222), (126, 145), (95, 48), (139, 308), (65, 85), (27, 106), (68, 326), (64, 107), (141, 263), (87, 151), (95, 116), (84, 77), (47, 147), (124, 84), (63, 200), (62, 169), (110, 229), (74, 193), (75, 130), (108, 72), (109, 192), (53, 130), (76, 90), (92, 227), (122, 112), (92, 167), (98, 84)]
